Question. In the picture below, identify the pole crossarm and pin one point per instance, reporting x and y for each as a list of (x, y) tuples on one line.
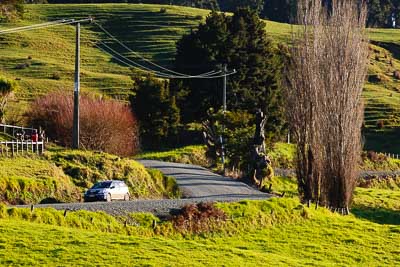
[(45, 25)]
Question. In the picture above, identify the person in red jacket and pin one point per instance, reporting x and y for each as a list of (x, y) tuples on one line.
[(35, 136)]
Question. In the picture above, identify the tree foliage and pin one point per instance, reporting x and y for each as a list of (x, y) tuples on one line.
[(279, 10), (105, 125), (237, 129), (11, 9), (240, 42), (156, 110), (232, 5), (7, 87)]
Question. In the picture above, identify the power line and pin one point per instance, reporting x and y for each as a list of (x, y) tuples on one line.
[(133, 64), (116, 55), (147, 60), (44, 25), (158, 73)]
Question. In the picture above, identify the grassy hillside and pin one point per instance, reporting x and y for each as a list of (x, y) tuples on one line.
[(49, 53), (44, 60), (277, 232)]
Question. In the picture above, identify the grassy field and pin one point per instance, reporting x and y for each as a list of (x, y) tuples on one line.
[(43, 60), (277, 232)]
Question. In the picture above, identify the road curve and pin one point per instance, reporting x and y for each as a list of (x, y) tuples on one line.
[(198, 182)]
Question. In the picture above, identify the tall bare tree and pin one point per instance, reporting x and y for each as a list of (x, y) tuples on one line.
[(325, 76)]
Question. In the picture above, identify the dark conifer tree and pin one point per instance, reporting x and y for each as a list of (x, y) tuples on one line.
[(156, 110), (240, 42)]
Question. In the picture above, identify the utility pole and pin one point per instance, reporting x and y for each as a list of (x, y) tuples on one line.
[(224, 72), (75, 131)]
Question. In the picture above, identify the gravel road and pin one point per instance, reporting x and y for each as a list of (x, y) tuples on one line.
[(196, 183), (161, 208)]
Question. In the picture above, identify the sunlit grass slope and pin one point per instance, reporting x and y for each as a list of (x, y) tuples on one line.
[(43, 60), (288, 236)]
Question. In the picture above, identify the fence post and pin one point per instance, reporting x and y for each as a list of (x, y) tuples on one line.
[(32, 145), (37, 147), (17, 146)]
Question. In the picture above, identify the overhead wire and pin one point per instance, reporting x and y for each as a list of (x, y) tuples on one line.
[(43, 25), (33, 26), (116, 55), (147, 60)]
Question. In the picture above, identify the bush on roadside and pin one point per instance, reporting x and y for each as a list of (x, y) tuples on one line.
[(199, 218), (105, 125)]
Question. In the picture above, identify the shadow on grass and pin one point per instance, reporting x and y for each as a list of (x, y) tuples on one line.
[(377, 215)]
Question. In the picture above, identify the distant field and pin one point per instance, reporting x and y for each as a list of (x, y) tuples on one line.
[(43, 60)]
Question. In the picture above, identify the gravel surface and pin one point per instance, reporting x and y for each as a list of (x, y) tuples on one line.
[(161, 208), (196, 183)]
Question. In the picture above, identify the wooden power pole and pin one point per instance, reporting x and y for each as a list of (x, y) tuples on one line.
[(75, 131)]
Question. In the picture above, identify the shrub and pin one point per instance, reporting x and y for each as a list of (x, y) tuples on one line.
[(23, 66), (198, 218), (374, 157), (380, 124), (11, 10), (6, 89), (56, 76), (105, 125)]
